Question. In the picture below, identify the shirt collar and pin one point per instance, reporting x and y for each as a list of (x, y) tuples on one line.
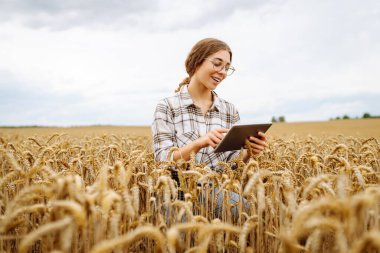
[(188, 101)]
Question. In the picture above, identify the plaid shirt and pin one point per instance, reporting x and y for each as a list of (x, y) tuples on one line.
[(178, 122)]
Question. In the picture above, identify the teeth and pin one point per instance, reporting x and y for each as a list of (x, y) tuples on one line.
[(216, 79)]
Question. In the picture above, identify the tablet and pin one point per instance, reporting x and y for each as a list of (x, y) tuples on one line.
[(236, 136)]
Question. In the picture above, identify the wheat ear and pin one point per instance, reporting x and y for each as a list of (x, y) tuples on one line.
[(30, 238), (127, 239)]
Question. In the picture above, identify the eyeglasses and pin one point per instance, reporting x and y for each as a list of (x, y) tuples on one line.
[(218, 66)]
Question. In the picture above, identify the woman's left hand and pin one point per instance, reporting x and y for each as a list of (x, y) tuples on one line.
[(258, 144)]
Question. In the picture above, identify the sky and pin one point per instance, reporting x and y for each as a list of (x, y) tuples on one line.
[(72, 62)]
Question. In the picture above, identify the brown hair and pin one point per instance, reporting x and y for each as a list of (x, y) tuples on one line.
[(201, 50)]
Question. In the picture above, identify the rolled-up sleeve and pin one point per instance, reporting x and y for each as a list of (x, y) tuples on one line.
[(163, 131)]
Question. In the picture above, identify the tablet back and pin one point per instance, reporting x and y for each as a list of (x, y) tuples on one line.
[(235, 138)]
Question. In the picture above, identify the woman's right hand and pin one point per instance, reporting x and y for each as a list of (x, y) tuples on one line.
[(212, 138)]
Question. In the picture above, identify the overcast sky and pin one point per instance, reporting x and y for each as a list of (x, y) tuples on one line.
[(72, 62)]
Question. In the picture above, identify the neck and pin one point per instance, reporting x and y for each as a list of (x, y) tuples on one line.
[(199, 93)]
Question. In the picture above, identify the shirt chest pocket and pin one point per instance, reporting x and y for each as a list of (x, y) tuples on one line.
[(186, 138)]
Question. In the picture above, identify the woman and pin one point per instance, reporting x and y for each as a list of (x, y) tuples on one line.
[(196, 119)]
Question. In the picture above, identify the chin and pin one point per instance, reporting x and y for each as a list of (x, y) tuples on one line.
[(213, 86)]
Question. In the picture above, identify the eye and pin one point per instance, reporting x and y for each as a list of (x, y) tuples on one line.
[(217, 63)]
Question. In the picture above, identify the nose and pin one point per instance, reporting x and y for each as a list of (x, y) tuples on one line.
[(223, 71)]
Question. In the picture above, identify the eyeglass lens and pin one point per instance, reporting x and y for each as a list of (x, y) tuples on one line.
[(218, 66)]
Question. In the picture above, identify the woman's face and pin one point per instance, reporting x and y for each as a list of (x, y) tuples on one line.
[(212, 71)]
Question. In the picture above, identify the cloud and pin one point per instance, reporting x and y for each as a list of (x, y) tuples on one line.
[(316, 109), (58, 15), (152, 16), (96, 62)]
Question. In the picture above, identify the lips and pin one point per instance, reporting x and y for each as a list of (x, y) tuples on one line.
[(216, 79)]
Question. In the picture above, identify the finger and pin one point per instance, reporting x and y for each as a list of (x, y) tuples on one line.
[(257, 146), (222, 130), (214, 139), (218, 135), (263, 136), (253, 139), (258, 141), (212, 144), (256, 151)]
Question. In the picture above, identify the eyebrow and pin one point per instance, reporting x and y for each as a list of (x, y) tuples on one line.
[(220, 59)]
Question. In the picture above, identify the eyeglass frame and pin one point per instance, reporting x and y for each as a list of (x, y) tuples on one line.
[(222, 67)]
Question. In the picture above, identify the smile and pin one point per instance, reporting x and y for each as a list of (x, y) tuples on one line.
[(218, 80)]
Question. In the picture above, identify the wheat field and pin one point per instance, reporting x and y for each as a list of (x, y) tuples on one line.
[(315, 189)]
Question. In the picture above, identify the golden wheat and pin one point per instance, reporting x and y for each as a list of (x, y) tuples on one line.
[(106, 193)]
